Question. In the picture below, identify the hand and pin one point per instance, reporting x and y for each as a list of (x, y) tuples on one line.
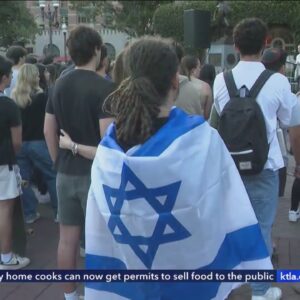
[(65, 141), (297, 171)]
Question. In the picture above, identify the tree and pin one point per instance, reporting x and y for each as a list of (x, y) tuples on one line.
[(134, 17), (168, 19), (16, 23)]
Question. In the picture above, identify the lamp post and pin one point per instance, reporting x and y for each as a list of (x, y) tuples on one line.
[(51, 16), (64, 29)]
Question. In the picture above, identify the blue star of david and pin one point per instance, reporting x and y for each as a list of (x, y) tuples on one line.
[(144, 247)]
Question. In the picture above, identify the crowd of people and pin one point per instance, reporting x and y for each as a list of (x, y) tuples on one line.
[(154, 116)]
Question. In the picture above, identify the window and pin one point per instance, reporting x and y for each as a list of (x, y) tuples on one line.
[(84, 19), (64, 19), (64, 4), (63, 15)]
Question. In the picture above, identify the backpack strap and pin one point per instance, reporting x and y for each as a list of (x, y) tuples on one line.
[(230, 84), (259, 83)]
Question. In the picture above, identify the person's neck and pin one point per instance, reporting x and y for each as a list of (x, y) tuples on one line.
[(167, 106), (252, 58), (101, 72), (90, 66), (18, 66), (164, 111), (2, 88)]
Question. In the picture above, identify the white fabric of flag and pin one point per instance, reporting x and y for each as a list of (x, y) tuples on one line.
[(175, 202)]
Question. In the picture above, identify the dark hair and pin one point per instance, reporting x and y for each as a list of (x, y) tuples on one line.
[(82, 43), (274, 58), (14, 53), (62, 68), (43, 81), (5, 67), (53, 72), (250, 35), (178, 50), (102, 57), (208, 74), (31, 59), (188, 63), (152, 64), (49, 59), (120, 72)]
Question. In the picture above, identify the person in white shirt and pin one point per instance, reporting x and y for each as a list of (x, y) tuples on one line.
[(17, 55), (275, 59), (276, 102), (297, 70)]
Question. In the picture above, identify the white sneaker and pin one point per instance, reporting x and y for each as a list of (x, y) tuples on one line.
[(273, 293), (294, 215), (16, 262), (41, 198), (82, 252), (32, 219), (56, 219)]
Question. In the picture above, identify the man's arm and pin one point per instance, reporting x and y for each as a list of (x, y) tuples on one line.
[(214, 118), (287, 100), (50, 132), (294, 133), (65, 142), (16, 137), (208, 100)]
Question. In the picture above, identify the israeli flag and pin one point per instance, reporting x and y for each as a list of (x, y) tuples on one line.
[(175, 202)]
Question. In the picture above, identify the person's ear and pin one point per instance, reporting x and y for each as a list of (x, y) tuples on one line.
[(175, 81), (236, 48), (97, 51)]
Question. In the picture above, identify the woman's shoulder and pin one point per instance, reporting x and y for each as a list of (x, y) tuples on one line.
[(39, 99), (204, 86), (40, 95)]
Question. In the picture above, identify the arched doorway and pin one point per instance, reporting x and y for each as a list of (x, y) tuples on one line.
[(51, 50)]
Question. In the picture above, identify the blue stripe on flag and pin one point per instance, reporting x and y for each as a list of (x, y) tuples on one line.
[(238, 246), (179, 123)]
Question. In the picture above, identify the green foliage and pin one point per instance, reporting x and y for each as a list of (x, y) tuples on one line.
[(272, 12), (134, 17), (168, 19), (16, 23)]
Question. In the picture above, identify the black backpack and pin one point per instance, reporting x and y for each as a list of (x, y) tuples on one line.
[(242, 126)]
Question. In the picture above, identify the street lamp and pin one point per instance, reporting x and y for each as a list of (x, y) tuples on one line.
[(64, 29), (51, 16)]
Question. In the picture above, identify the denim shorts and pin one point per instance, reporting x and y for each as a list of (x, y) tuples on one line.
[(72, 193)]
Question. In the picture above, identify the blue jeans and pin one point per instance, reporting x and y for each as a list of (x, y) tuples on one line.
[(262, 190), (35, 154)]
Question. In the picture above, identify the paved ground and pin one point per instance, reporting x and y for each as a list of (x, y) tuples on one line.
[(42, 245)]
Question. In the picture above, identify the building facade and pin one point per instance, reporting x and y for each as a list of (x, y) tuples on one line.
[(56, 19)]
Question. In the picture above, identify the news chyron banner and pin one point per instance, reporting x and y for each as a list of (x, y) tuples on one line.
[(108, 276)]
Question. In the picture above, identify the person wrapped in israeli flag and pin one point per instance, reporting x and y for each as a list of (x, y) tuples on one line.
[(173, 201)]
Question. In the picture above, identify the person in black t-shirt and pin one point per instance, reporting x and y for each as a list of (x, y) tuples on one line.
[(34, 153), (10, 180), (74, 111)]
